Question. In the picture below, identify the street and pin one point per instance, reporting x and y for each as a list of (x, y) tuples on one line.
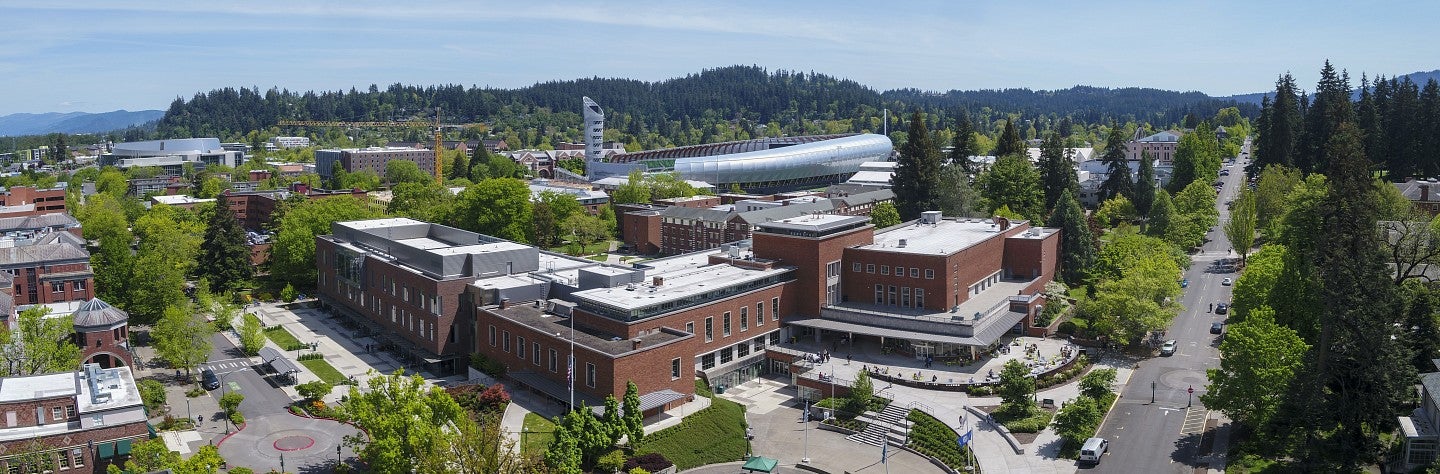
[(237, 373), (1166, 435)]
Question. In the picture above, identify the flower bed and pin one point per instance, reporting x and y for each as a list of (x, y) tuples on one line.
[(931, 437)]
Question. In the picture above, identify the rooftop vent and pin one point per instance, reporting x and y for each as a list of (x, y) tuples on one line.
[(930, 217), (902, 243)]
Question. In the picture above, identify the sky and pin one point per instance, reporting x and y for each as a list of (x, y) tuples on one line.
[(103, 55)]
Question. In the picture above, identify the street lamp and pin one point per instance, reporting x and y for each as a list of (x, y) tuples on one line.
[(337, 455)]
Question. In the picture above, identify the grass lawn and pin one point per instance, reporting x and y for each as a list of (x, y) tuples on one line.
[(599, 257), (713, 435), (282, 338), (539, 431), (325, 371)]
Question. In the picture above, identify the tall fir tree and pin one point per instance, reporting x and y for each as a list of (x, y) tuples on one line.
[(1428, 148), (1358, 374), (224, 255), (1367, 117), (1144, 185), (1077, 244), (1010, 142), (1277, 140), (1057, 172), (1162, 213), (964, 143), (460, 166), (1329, 108), (1117, 168), (917, 173)]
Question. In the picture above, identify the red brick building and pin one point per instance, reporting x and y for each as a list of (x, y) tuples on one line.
[(29, 201), (78, 421), (102, 333), (54, 269), (254, 208)]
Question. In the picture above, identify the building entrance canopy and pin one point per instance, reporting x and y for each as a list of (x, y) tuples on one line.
[(986, 336)]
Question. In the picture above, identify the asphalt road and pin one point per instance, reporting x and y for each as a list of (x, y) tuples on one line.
[(237, 374), (1165, 436)]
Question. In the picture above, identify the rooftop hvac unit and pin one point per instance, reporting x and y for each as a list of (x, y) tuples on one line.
[(902, 243)]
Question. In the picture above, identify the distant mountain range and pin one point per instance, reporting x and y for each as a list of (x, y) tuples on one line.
[(1416, 77), (75, 122)]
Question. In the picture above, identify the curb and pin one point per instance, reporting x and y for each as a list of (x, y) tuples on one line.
[(233, 433)]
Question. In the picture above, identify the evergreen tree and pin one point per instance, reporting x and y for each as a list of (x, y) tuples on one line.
[(1145, 185), (1428, 136), (1329, 108), (1117, 180), (1010, 142), (634, 419), (460, 167), (1423, 331), (1162, 213), (224, 255), (964, 144), (1367, 117), (1358, 375), (1077, 245), (1278, 139), (1057, 172), (1013, 183), (917, 172)]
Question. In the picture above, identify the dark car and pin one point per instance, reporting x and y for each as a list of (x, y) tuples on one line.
[(209, 380), (1217, 327), (1222, 308)]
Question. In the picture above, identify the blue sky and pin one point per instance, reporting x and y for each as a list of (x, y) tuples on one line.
[(95, 56)]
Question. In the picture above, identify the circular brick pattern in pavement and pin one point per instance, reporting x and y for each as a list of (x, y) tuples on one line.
[(294, 443)]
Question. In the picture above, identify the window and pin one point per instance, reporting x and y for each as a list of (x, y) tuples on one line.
[(760, 314), (520, 347), (775, 308), (590, 375), (506, 346), (899, 271), (855, 267), (725, 325), (929, 274), (57, 287), (891, 296), (914, 272), (742, 349), (905, 297), (70, 411), (79, 286), (675, 368), (707, 361), (64, 459), (709, 329), (55, 413), (919, 297), (744, 318), (869, 268), (879, 294), (726, 355), (492, 335), (832, 269), (884, 269), (535, 353), (79, 457), (554, 361)]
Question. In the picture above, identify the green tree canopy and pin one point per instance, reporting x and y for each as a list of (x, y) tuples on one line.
[(1197, 159), (182, 339), (1016, 385), (405, 171), (498, 207), (292, 257), (1013, 183), (402, 420), (426, 201), (1240, 229), (1116, 211), (1257, 357), (917, 172), (884, 215), (1077, 244), (224, 254), (38, 345)]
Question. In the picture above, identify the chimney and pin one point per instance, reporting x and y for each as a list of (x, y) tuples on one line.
[(635, 343), (504, 303), (1424, 192), (657, 281)]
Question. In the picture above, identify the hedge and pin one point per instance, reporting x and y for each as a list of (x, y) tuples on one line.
[(933, 438)]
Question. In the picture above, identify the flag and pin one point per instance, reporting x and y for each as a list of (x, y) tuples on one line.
[(964, 439), (884, 450), (570, 372)]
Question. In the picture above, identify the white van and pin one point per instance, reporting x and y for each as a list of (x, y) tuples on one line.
[(1093, 449)]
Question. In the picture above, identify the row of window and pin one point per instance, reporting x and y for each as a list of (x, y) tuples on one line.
[(744, 319), (899, 271), (981, 285), (883, 297), (728, 354), (47, 462), (552, 355), (59, 286)]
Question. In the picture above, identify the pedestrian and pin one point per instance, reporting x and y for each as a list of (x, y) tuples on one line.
[(847, 359), (1212, 308)]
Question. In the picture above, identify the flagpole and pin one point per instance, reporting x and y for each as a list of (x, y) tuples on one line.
[(571, 370), (805, 418)]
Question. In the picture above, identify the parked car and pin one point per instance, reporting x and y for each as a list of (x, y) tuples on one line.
[(1222, 308), (1168, 349), (1217, 327), (1093, 448), (1227, 282), (209, 380), (1184, 282)]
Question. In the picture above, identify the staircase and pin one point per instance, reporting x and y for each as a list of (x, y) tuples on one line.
[(890, 424)]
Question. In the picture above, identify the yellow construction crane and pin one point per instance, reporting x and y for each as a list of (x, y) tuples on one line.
[(436, 125)]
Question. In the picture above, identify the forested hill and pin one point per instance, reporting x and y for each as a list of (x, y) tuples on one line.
[(679, 110)]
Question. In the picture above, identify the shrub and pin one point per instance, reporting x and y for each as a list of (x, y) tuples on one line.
[(933, 438), (648, 462), (152, 392), (487, 365), (493, 397), (288, 293), (310, 356), (1066, 327), (237, 418), (314, 390), (639, 471), (611, 461), (195, 392), (979, 390), (230, 401), (297, 410)]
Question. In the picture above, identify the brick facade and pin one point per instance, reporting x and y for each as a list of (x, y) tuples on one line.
[(52, 281), (810, 256), (399, 300), (19, 201)]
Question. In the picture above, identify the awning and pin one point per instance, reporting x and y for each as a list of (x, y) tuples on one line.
[(648, 401), (987, 335), (556, 390), (278, 361), (151, 428), (107, 450), (122, 447), (761, 464)]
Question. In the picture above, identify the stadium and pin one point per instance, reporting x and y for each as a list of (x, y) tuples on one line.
[(760, 164)]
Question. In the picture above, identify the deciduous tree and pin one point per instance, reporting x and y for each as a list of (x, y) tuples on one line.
[(1016, 385), (1015, 184), (182, 339), (406, 171), (1240, 229), (1257, 356), (634, 420), (292, 257), (884, 215), (402, 420), (426, 201), (38, 345), (498, 207)]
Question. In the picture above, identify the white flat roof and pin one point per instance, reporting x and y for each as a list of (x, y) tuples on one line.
[(177, 199), (947, 237), (381, 223), (676, 286)]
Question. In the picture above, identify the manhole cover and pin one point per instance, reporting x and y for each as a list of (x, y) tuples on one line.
[(294, 443)]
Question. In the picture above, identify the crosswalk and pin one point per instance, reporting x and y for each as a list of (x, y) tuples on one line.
[(227, 365), (1194, 420)]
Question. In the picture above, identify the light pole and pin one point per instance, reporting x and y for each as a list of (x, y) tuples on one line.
[(337, 456), (1152, 391), (805, 418)]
